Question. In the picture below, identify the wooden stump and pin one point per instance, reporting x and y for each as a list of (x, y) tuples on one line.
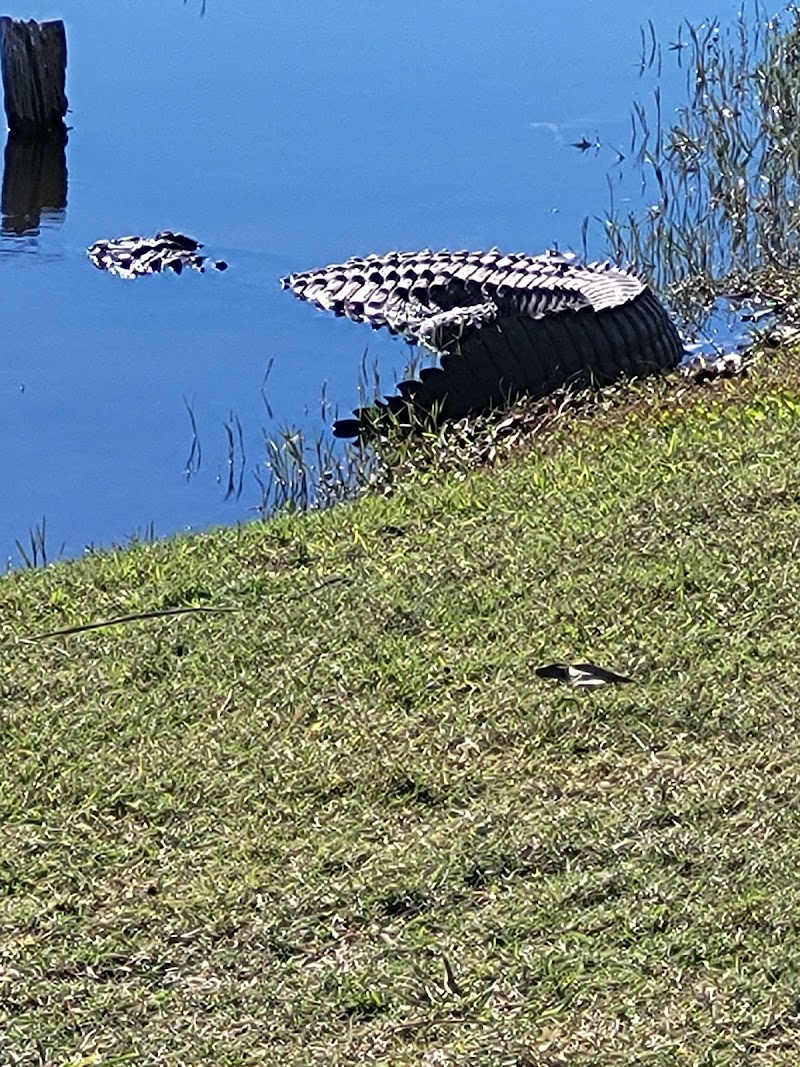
[(33, 59)]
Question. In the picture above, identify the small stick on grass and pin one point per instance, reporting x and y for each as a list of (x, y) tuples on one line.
[(160, 613), (133, 617)]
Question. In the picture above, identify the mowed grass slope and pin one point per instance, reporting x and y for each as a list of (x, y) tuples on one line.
[(346, 823)]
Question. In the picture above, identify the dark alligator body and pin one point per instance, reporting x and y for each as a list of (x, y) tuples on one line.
[(503, 325)]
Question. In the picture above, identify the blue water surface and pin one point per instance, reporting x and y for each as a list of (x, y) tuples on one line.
[(283, 136)]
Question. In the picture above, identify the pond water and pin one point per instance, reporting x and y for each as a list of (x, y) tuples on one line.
[(284, 137)]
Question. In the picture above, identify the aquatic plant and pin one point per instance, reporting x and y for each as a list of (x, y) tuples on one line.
[(726, 172), (303, 471), (36, 552)]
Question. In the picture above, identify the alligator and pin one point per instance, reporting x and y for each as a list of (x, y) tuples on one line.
[(502, 326), (130, 257)]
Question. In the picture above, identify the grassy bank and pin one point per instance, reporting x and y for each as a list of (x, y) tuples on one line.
[(345, 822)]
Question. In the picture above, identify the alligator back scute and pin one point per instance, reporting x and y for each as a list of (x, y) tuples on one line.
[(502, 325)]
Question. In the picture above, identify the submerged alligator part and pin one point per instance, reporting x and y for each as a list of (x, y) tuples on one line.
[(130, 257), (503, 325)]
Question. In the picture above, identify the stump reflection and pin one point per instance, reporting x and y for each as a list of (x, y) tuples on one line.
[(34, 183)]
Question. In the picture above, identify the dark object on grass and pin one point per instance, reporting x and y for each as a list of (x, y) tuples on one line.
[(130, 257), (503, 326), (581, 674), (33, 58)]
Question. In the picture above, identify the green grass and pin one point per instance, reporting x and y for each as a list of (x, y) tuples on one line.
[(346, 823)]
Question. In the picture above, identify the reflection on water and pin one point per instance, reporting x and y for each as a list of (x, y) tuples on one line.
[(34, 183)]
